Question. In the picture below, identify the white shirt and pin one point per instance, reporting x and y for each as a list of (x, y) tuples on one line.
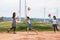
[(29, 21), (54, 21)]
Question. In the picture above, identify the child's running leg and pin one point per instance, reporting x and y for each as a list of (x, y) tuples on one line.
[(27, 30), (35, 31), (57, 28), (10, 29), (54, 27), (30, 29), (14, 28)]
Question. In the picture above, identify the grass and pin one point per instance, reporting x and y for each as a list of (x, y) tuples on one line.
[(43, 27), (23, 26)]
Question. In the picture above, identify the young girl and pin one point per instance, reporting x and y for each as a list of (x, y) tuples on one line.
[(54, 22), (13, 23), (30, 25)]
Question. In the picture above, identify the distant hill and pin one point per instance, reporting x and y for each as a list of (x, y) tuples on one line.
[(37, 19), (1, 19)]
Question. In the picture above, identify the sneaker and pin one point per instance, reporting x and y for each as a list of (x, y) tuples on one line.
[(14, 33), (8, 31)]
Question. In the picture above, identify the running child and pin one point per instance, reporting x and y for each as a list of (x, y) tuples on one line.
[(13, 23), (54, 22), (30, 25)]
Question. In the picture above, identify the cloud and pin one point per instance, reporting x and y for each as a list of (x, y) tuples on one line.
[(51, 3), (8, 6)]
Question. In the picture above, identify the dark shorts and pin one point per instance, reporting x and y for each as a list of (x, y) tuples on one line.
[(29, 26), (14, 27), (54, 25)]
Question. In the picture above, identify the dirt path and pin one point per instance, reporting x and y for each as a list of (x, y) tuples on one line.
[(30, 36)]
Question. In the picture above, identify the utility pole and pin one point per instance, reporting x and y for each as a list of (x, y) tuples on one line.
[(57, 13), (19, 10), (44, 14), (25, 9)]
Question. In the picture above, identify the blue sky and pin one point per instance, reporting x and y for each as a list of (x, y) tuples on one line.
[(7, 7)]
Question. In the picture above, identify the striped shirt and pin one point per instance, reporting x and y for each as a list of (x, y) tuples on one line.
[(13, 23)]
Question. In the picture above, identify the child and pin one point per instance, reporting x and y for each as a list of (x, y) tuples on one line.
[(13, 23), (54, 22), (30, 25)]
